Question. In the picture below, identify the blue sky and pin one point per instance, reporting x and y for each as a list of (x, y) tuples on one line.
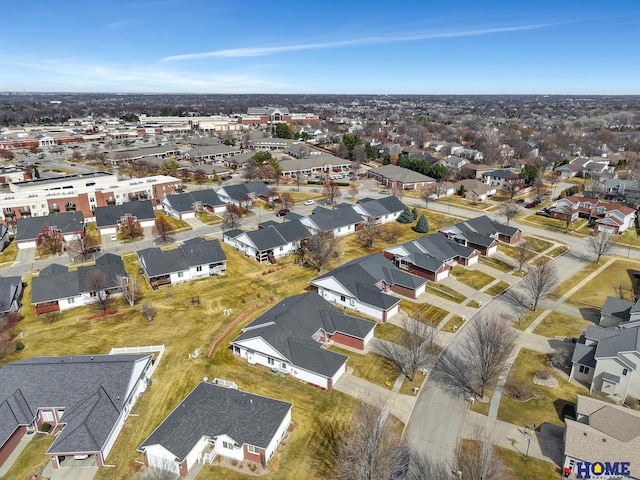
[(327, 47)]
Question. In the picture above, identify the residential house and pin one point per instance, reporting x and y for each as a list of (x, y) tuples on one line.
[(270, 242), (290, 338), (314, 162), (217, 420), (581, 166), (621, 313), (379, 211), (195, 258), (606, 217), (474, 190), (431, 257), (85, 398), (506, 151), (482, 233), (625, 191), (365, 285), (185, 205), (69, 224), (109, 218), (10, 294), (601, 433), (475, 170), (607, 360), (394, 176), (244, 194), (56, 288), (211, 153), (468, 153), (454, 163), (389, 149), (499, 178), (336, 223)]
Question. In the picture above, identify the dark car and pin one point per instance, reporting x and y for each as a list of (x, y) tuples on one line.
[(282, 212), (520, 200), (529, 205)]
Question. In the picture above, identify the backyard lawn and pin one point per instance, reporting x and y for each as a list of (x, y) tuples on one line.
[(176, 224), (496, 263), (424, 311), (547, 408), (527, 467), (182, 328), (370, 366)]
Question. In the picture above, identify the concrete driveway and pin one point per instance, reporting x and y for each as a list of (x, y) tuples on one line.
[(25, 255), (75, 472)]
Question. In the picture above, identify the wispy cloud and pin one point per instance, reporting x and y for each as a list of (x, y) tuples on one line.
[(262, 51), (120, 24)]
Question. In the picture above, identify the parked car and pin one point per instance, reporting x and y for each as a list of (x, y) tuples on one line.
[(529, 205), (384, 192), (309, 202), (543, 213), (114, 237), (282, 212), (520, 200)]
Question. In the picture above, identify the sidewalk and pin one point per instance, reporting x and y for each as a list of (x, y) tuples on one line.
[(399, 405), (546, 444)]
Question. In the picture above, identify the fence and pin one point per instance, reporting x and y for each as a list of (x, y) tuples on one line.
[(159, 349)]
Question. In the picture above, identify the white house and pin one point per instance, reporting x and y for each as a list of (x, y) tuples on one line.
[(217, 419)]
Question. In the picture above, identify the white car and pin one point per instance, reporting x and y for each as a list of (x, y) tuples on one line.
[(309, 202), (114, 237)]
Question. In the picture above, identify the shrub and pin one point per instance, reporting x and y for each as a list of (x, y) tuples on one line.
[(19, 346), (544, 374), (406, 216), (45, 427), (521, 391)]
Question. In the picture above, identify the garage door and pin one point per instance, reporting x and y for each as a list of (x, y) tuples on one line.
[(492, 250)]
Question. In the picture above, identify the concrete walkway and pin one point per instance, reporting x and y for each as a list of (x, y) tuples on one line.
[(546, 444), (398, 404), (24, 441)]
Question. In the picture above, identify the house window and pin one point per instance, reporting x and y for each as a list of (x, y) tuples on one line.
[(270, 361), (624, 372), (180, 274), (71, 300), (342, 298), (252, 449), (227, 445), (47, 416), (584, 369), (236, 350), (199, 268), (283, 365)]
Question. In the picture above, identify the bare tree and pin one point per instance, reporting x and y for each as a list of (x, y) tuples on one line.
[(422, 467), (130, 227), (478, 360), (232, 215), (541, 280), (148, 309), (251, 172), (130, 288), (162, 228), (199, 176), (415, 349), (426, 193), (476, 460), (441, 189), (390, 232), (286, 201), (525, 253), (353, 191), (50, 240), (568, 215), (600, 243), (511, 186), (509, 210), (97, 284), (367, 236), (554, 179), (83, 246), (319, 250), (298, 178), (160, 471), (396, 191), (331, 191), (370, 448), (539, 190)]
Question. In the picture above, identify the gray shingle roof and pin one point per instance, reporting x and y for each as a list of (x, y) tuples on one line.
[(328, 220), (9, 291), (400, 174), (212, 410), (67, 222), (56, 282), (92, 390), (193, 252), (626, 340), (289, 326), (430, 252), (481, 230), (584, 355), (110, 215), (616, 307), (379, 207), (184, 202), (239, 192), (361, 275)]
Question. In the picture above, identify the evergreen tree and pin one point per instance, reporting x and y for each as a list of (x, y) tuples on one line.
[(423, 224), (406, 216), (414, 212), (462, 191)]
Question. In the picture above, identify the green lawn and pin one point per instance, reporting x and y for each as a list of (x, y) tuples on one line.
[(209, 218), (547, 409), (560, 325), (176, 224), (472, 278), (497, 288)]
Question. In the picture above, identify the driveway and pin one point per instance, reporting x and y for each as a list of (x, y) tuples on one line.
[(75, 472), (25, 255)]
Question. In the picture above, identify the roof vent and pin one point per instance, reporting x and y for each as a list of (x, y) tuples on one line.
[(584, 433), (604, 440)]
